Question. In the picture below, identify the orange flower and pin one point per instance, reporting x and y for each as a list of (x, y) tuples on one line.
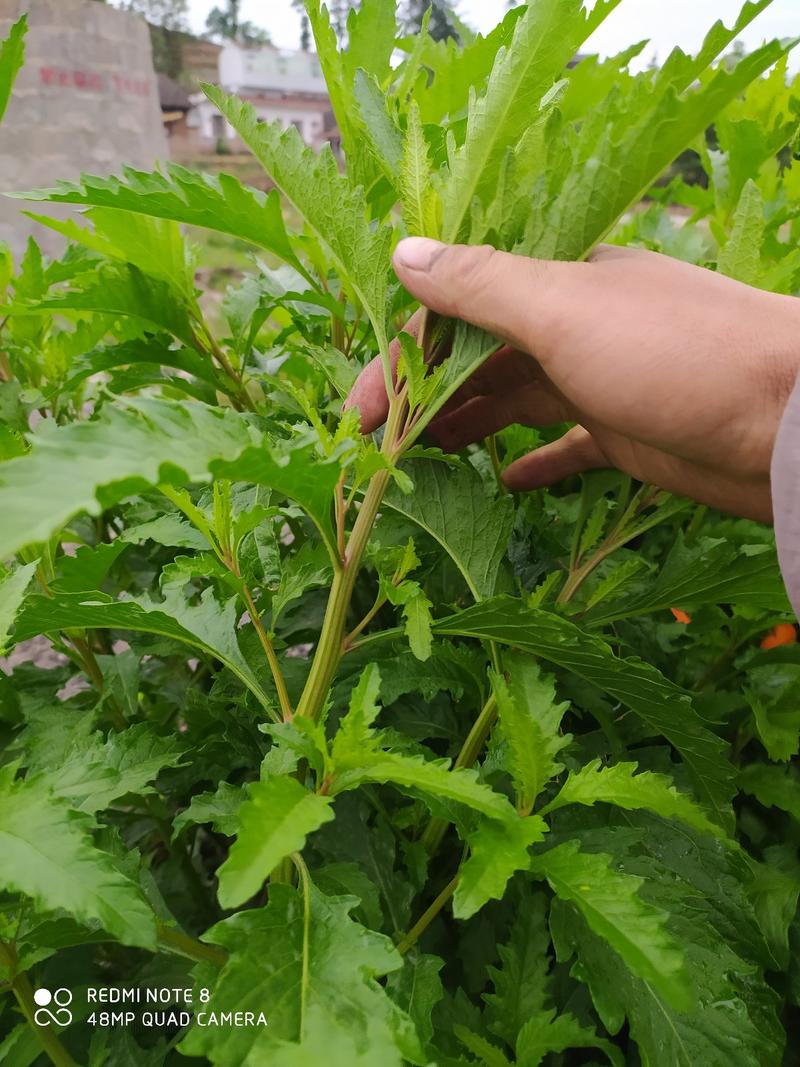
[(681, 616), (782, 634)]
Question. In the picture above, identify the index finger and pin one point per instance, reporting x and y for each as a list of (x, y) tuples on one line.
[(369, 392)]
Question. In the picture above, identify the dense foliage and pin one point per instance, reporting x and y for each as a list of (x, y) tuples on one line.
[(338, 731)]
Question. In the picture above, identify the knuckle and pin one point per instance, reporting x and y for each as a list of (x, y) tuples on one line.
[(469, 267)]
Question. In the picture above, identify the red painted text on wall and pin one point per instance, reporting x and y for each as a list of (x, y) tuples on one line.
[(87, 79)]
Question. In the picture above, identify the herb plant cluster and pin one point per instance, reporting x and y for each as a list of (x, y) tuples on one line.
[(337, 730)]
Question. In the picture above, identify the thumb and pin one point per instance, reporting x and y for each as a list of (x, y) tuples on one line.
[(510, 296)]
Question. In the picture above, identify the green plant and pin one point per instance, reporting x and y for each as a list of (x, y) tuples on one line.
[(338, 732)]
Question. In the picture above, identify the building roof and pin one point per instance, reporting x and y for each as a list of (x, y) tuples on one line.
[(172, 96), (269, 68), (200, 60)]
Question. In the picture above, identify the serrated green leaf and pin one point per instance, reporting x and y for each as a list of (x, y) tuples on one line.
[(451, 71), (145, 350), (332, 208), (155, 246), (773, 694), (219, 203), (169, 530), (370, 43), (266, 972), (620, 785), (354, 732), (774, 787), (120, 290), (412, 370), (774, 892), (710, 571), (521, 984), (490, 1055), (12, 56), (609, 162), (429, 777), (545, 39), (611, 905), (417, 988), (732, 1028), (49, 856), (219, 808), (419, 198), (546, 1033), (615, 581), (88, 568), (12, 594), (497, 851), (417, 615), (665, 707), (381, 129), (274, 821), (741, 256), (371, 30), (92, 465), (208, 625), (92, 776), (530, 719), (308, 568), (455, 509)]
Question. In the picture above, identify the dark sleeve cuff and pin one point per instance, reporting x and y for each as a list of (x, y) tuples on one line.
[(786, 496)]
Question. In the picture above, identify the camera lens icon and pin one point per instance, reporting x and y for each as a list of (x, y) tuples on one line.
[(60, 1015)]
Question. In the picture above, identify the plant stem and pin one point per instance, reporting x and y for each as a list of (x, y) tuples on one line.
[(491, 447), (269, 651), (92, 668), (470, 750), (374, 638), (331, 642), (576, 579), (618, 536), (284, 872), (695, 524), (341, 510), (183, 945), (427, 917), (240, 398), (6, 373), (305, 881), (23, 993), (373, 611), (329, 649)]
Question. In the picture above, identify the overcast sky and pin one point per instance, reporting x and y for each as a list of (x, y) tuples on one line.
[(665, 22)]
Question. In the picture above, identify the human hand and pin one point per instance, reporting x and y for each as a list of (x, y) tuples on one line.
[(673, 374)]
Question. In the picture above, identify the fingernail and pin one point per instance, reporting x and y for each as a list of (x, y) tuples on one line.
[(417, 253)]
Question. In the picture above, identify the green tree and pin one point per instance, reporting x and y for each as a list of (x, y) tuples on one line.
[(441, 24), (305, 28), (170, 14), (225, 23)]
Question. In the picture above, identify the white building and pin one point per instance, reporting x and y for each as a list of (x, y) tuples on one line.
[(283, 86)]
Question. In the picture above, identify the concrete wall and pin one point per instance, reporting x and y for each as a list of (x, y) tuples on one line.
[(86, 100)]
